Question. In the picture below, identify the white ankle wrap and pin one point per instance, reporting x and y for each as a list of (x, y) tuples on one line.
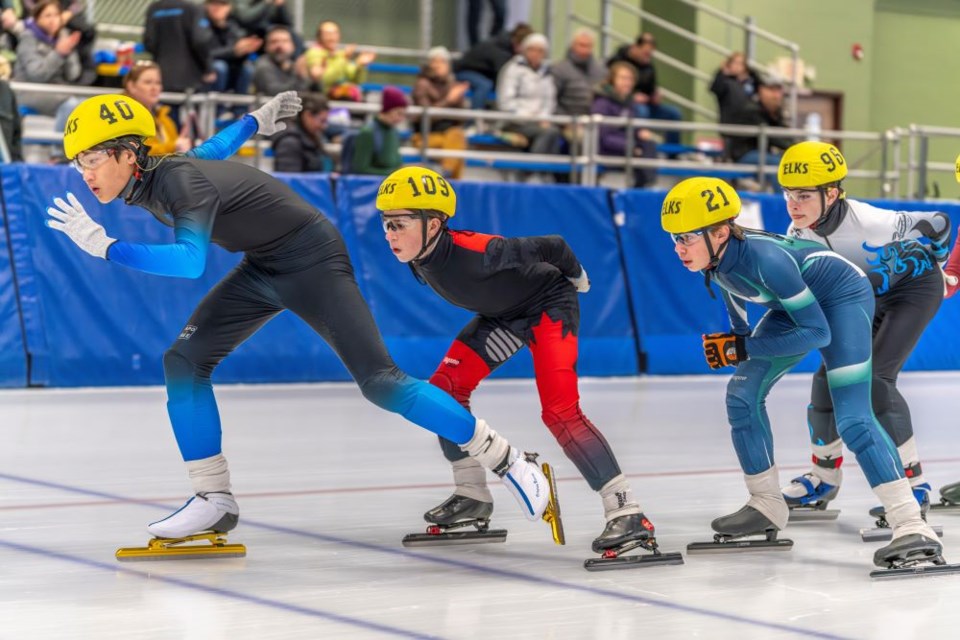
[(209, 475), (618, 498), (471, 480), (766, 498)]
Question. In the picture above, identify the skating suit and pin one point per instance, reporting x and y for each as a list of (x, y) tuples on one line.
[(293, 259), (909, 290), (816, 299), (518, 288)]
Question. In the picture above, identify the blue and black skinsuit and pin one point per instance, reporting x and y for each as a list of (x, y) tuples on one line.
[(908, 286), (294, 259), (816, 300)]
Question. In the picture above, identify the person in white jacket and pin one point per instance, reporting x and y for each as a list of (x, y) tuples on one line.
[(525, 87), (902, 253)]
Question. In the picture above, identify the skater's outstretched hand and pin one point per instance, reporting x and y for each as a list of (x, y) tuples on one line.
[(581, 283), (281, 106), (724, 349), (70, 217)]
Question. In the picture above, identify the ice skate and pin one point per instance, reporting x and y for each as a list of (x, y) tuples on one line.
[(881, 530), (457, 512), (949, 499), (206, 517), (624, 534), (551, 514), (730, 531), (807, 496), (913, 554)]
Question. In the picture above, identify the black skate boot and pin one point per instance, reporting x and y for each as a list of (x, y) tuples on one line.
[(624, 534), (911, 555), (745, 522), (949, 498), (881, 530), (457, 512)]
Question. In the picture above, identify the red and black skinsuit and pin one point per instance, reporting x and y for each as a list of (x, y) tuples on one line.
[(519, 289)]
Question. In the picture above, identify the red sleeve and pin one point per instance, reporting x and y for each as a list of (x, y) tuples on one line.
[(953, 267), (472, 240)]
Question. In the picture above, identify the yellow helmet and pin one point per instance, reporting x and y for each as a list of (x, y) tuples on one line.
[(417, 188), (811, 164), (105, 117), (957, 168), (696, 203)]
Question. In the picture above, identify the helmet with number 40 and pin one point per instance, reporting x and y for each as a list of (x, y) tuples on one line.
[(103, 118)]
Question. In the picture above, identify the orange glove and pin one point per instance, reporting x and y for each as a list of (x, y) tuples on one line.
[(724, 349)]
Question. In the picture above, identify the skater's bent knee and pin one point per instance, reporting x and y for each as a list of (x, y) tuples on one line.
[(738, 411), (176, 366), (384, 387), (857, 433)]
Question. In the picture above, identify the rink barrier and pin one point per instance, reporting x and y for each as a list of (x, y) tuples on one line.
[(73, 320)]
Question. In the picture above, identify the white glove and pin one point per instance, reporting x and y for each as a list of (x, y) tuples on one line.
[(949, 282), (71, 219), (283, 105), (581, 283)]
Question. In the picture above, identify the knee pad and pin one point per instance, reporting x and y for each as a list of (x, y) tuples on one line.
[(442, 380), (738, 408), (857, 433)]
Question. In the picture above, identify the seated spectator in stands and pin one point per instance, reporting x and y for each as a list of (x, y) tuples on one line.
[(10, 123), (615, 98), (481, 64), (144, 84), (276, 71), (178, 36), (376, 147), (299, 147), (733, 85), (436, 86), (47, 54), (525, 88), (578, 75), (647, 97), (231, 49), (336, 71), (766, 108), (75, 20)]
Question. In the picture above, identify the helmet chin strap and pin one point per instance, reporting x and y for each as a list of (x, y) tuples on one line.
[(425, 245), (714, 261)]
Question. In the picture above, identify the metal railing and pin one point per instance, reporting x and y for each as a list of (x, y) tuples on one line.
[(919, 166)]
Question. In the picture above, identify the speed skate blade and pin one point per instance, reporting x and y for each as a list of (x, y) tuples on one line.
[(941, 507), (552, 513), (916, 571), (804, 514), (181, 549), (454, 537), (630, 562), (885, 534), (780, 544)]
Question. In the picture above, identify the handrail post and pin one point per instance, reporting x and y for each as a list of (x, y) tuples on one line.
[(605, 21), (762, 155), (794, 84), (749, 39), (424, 133), (628, 167), (884, 160), (911, 161), (922, 166), (895, 151)]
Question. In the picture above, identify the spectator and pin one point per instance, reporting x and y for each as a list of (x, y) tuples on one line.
[(481, 64), (377, 146), (525, 88), (144, 84), (230, 49), (75, 20), (178, 36), (10, 124), (436, 86), (474, 18), (47, 53), (578, 75), (257, 16), (299, 147), (765, 109), (647, 99), (336, 71), (615, 98), (276, 71), (733, 85)]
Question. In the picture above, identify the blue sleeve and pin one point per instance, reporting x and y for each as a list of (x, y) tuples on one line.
[(193, 203), (227, 142), (781, 276)]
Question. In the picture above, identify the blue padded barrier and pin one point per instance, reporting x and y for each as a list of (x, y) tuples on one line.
[(419, 326), (90, 322), (13, 354)]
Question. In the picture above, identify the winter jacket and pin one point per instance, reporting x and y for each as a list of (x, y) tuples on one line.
[(576, 81), (38, 60), (178, 35), (487, 57), (646, 73), (432, 91), (296, 151), (526, 91)]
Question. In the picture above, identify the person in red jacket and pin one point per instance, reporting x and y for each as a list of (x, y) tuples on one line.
[(524, 291)]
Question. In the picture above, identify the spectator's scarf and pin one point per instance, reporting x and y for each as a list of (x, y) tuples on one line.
[(40, 34)]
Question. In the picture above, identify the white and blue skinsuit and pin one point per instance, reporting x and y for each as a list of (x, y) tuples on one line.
[(294, 259), (815, 300)]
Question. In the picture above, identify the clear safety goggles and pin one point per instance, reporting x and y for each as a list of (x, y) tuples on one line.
[(688, 238), (398, 223), (800, 196), (92, 159)]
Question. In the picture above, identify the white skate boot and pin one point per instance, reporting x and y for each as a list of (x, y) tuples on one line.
[(204, 512)]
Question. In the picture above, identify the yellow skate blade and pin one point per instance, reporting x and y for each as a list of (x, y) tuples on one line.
[(178, 549), (552, 513)]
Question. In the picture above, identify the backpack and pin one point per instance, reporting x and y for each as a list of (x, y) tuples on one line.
[(348, 145)]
